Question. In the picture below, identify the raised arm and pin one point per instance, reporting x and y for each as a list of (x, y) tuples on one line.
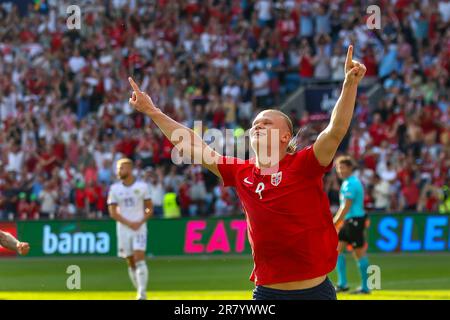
[(184, 138), (329, 139)]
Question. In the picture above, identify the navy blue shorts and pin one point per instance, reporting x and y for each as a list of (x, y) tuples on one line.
[(324, 291)]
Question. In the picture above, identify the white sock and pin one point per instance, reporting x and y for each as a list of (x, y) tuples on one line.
[(142, 278), (132, 273)]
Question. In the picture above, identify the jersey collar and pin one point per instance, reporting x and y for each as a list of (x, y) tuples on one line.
[(129, 185), (272, 170)]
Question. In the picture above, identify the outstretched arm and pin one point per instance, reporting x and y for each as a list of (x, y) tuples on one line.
[(184, 138), (329, 139), (343, 210), (11, 243)]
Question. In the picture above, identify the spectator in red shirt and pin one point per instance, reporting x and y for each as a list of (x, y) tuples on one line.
[(90, 193), (287, 29), (80, 200), (47, 160), (127, 146), (184, 198), (410, 192), (306, 63), (370, 62), (23, 207), (100, 195), (34, 207), (59, 150), (377, 130)]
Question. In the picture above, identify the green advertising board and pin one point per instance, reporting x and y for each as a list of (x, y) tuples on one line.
[(166, 237), (216, 236), (66, 238)]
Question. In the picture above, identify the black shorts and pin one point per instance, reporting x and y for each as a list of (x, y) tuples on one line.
[(352, 232), (324, 291)]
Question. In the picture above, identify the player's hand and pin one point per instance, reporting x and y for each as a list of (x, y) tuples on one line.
[(23, 248), (135, 225), (354, 70), (338, 225), (140, 100)]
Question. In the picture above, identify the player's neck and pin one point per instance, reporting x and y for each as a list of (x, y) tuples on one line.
[(348, 176), (129, 181), (272, 163)]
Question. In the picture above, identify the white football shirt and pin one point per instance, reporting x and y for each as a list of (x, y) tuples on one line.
[(129, 199)]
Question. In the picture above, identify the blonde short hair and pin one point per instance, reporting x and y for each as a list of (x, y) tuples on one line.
[(123, 161), (292, 145)]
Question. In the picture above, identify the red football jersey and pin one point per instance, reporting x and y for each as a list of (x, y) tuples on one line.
[(290, 226)]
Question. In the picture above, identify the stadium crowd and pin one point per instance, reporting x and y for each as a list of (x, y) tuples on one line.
[(65, 118)]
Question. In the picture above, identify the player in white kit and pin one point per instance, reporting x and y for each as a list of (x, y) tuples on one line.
[(130, 205)]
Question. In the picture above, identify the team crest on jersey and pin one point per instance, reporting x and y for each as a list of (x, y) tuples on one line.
[(276, 178), (136, 192)]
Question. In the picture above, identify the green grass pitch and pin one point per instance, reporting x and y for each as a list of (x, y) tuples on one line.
[(403, 276)]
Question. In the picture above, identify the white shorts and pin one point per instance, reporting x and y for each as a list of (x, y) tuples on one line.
[(129, 240)]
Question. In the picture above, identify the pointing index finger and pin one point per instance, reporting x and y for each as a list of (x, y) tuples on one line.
[(349, 58), (133, 84)]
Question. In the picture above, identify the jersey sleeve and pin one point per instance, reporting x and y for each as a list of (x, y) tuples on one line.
[(112, 197), (228, 167), (348, 191), (306, 163)]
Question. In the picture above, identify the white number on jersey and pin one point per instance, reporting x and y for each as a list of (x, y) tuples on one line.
[(129, 202), (259, 189)]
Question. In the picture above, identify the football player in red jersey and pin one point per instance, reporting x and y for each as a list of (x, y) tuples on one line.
[(290, 226)]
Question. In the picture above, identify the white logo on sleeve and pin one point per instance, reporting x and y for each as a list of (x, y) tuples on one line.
[(260, 189), (246, 181)]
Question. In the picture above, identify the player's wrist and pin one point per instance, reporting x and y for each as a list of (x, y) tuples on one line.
[(19, 247), (152, 111), (350, 83), (129, 224)]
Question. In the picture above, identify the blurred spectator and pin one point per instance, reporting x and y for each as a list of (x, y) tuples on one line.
[(321, 61), (23, 207), (34, 207), (184, 198), (157, 193), (444, 197), (170, 205), (223, 205), (381, 194), (429, 199), (336, 62), (11, 194), (66, 210), (332, 187), (48, 198), (261, 87), (410, 194), (15, 158), (198, 196)]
